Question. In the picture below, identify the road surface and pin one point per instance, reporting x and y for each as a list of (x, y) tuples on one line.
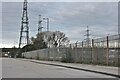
[(16, 68)]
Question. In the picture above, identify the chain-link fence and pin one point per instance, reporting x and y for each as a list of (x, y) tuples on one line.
[(102, 51)]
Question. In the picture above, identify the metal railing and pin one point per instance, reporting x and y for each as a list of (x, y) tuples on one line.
[(101, 51)]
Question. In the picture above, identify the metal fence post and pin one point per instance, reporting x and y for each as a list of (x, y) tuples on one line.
[(107, 53), (82, 52), (92, 51), (48, 53), (118, 50)]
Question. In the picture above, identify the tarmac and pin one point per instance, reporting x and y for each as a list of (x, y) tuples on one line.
[(107, 70)]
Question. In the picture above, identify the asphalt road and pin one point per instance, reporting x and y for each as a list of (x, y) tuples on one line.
[(16, 68)]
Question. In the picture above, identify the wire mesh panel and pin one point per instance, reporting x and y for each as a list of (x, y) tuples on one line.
[(77, 55), (113, 57), (113, 49), (87, 55), (100, 51), (103, 51)]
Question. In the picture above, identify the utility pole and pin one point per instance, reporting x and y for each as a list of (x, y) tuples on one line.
[(40, 24), (87, 37), (24, 33), (48, 24), (47, 27), (47, 34)]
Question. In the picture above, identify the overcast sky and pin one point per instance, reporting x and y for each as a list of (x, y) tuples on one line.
[(72, 18)]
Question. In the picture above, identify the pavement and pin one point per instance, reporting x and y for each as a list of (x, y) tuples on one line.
[(26, 68), (107, 70)]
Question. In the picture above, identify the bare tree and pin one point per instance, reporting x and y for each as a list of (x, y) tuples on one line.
[(57, 39), (49, 39)]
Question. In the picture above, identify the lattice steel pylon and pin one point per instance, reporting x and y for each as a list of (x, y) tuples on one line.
[(24, 33), (87, 37)]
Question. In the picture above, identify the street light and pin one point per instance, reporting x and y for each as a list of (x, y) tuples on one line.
[(47, 23)]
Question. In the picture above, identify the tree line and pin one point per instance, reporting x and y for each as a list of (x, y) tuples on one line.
[(46, 39)]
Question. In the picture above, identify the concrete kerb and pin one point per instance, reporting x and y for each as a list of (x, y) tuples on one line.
[(71, 67)]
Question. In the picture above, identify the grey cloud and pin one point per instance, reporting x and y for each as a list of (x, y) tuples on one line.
[(69, 17)]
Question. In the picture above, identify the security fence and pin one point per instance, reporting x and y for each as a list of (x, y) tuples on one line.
[(102, 51)]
